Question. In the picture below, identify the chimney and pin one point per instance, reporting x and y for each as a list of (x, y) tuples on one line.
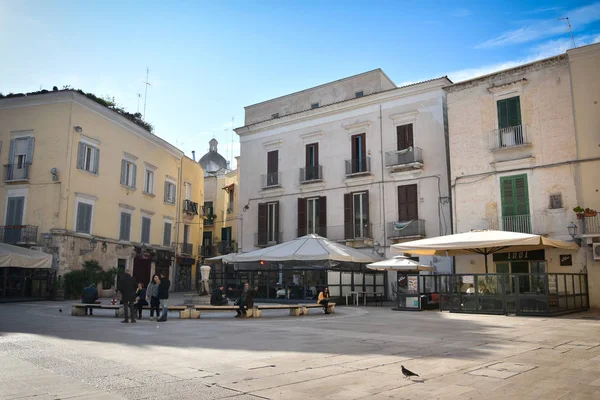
[(194, 155)]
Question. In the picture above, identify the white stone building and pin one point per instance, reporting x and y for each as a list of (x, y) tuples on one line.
[(358, 160), (512, 152)]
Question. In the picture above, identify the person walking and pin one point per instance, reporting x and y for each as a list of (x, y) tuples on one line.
[(152, 296), (127, 287), (324, 299), (163, 296), (89, 296), (140, 299)]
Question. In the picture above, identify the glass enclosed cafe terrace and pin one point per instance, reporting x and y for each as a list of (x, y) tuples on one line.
[(521, 283)]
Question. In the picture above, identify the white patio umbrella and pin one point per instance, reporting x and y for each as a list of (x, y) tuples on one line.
[(227, 258), (307, 248), (399, 263), (481, 242)]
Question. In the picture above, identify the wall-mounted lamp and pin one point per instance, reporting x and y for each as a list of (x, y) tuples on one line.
[(246, 207), (93, 244), (377, 248), (104, 247), (78, 129), (572, 228)]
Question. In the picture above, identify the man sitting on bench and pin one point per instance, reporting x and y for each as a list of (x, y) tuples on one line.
[(219, 298), (89, 296)]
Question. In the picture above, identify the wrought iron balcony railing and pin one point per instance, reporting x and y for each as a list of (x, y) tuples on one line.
[(358, 166), (272, 180), (190, 207), (508, 137), (13, 234), (311, 174), (187, 248), (400, 229), (411, 156), (16, 172)]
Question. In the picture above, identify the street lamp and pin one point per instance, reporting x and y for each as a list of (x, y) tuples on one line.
[(572, 228), (104, 247), (93, 244)]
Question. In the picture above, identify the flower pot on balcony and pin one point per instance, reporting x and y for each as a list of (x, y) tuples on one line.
[(590, 213), (579, 215)]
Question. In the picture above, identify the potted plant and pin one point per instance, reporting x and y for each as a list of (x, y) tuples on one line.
[(588, 212), (579, 212), (107, 282)]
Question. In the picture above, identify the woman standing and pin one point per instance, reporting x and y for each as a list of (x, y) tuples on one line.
[(324, 299), (152, 295)]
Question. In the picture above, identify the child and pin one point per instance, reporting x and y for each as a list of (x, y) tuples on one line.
[(140, 299)]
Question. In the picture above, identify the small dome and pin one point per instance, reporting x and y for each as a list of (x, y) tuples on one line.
[(212, 162)]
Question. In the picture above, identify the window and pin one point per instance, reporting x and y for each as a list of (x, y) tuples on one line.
[(404, 136), (268, 223), (167, 233), (188, 191), (125, 226), (314, 105), (356, 215), (510, 128), (209, 212), (408, 203), (556, 201), (169, 192), (84, 217), (186, 234), (312, 162), (149, 181), (359, 94), (359, 162), (276, 115), (146, 229), (88, 158), (20, 157), (273, 168), (312, 217), (515, 204), (230, 199), (128, 173)]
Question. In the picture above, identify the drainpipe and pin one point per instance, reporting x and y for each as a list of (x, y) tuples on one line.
[(382, 179), (178, 207)]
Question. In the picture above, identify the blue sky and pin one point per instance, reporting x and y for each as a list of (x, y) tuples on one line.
[(208, 60)]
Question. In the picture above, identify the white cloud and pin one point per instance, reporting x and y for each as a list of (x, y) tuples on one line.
[(539, 29), (544, 50)]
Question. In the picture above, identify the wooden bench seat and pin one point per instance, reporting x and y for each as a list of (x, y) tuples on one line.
[(197, 310), (184, 311), (330, 307), (78, 309), (295, 309)]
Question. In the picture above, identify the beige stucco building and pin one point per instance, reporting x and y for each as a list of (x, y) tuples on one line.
[(84, 182), (584, 63)]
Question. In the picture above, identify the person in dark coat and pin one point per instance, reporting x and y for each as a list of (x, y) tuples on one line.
[(246, 301), (89, 296), (127, 286), (163, 296), (140, 299), (219, 298)]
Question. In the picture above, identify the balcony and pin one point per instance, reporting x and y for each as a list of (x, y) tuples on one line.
[(206, 251), (272, 180), (406, 229), (317, 230), (190, 207), (226, 247), (187, 248), (513, 136), (16, 172), (407, 159), (18, 234), (230, 207), (358, 166), (265, 238), (591, 225), (311, 174)]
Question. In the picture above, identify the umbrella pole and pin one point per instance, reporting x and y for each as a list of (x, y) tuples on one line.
[(485, 254)]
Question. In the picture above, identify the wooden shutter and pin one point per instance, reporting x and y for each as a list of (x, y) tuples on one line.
[(84, 218), (167, 234), (277, 231), (123, 172), (81, 156), (30, 146), (273, 162), (508, 197), (122, 226), (96, 160), (11, 152), (322, 228), (262, 224), (166, 191), (514, 111), (186, 234), (404, 136), (521, 195), (408, 208), (301, 216), (367, 228), (146, 230), (348, 214), (134, 175)]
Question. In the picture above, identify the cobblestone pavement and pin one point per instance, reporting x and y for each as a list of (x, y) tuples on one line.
[(356, 353)]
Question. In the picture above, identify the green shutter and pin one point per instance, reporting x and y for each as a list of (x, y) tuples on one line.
[(508, 196), (509, 112), (515, 195), (521, 195)]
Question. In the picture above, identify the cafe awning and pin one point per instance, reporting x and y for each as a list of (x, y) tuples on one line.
[(399, 263), (15, 256)]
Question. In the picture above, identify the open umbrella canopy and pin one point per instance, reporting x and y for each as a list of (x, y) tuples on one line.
[(399, 263), (15, 256), (482, 242), (307, 248), (227, 258)]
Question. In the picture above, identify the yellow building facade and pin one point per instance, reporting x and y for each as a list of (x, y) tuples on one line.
[(83, 182)]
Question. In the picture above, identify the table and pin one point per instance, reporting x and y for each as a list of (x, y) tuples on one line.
[(356, 294)]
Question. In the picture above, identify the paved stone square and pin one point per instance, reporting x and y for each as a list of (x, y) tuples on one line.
[(356, 353)]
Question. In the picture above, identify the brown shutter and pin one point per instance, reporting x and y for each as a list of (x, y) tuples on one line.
[(366, 211), (409, 135), (277, 230), (307, 160), (402, 204), (364, 147), (322, 229), (408, 207), (273, 162), (404, 136), (301, 216), (348, 226), (316, 154), (262, 224)]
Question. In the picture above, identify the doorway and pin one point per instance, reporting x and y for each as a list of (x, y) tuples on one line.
[(141, 270)]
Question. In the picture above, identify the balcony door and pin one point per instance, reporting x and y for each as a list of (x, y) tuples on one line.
[(14, 219), (312, 216), (408, 204), (273, 168), (404, 136), (509, 122), (312, 161), (356, 215), (515, 204), (359, 153)]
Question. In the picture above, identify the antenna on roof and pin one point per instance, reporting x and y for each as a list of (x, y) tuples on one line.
[(146, 91), (231, 152), (139, 95), (569, 28)]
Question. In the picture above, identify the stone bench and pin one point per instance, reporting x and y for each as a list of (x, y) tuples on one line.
[(305, 307), (295, 309), (197, 310), (184, 311), (78, 309)]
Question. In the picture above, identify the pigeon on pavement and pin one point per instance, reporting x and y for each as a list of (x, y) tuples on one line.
[(60, 310), (407, 373)]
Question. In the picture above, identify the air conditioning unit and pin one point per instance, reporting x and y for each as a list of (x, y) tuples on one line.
[(596, 251)]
